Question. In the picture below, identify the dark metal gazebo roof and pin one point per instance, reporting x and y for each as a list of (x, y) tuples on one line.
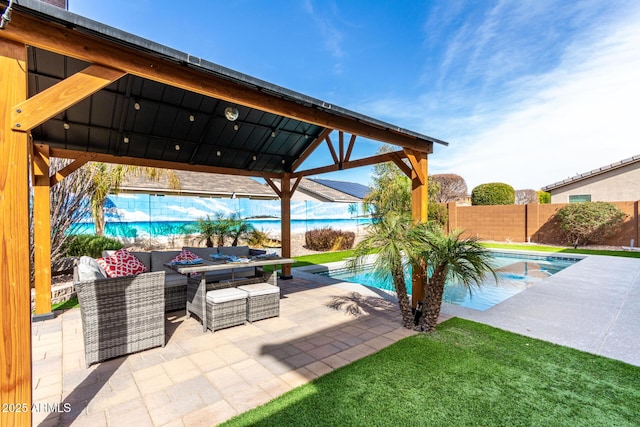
[(137, 117)]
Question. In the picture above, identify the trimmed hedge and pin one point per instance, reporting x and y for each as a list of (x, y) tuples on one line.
[(91, 245), (328, 239), (493, 193)]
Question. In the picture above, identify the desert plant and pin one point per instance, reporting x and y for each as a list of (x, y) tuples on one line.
[(452, 187), (259, 239), (525, 197), (392, 238), (448, 257), (90, 245), (438, 214), (493, 193), (589, 222), (328, 239), (544, 197)]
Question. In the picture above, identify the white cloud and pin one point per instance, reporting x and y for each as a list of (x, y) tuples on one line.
[(580, 116), (131, 216)]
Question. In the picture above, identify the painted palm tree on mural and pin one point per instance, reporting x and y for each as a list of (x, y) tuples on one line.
[(107, 179)]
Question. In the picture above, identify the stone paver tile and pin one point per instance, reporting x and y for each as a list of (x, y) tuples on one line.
[(299, 360), (211, 415), (230, 353), (113, 399), (153, 384), (156, 399), (207, 360), (275, 387), (249, 398), (175, 410), (319, 368), (226, 380), (181, 369), (131, 413), (99, 419), (298, 377), (253, 373), (323, 351), (175, 423), (335, 361), (199, 386), (379, 343), (304, 345), (148, 372)]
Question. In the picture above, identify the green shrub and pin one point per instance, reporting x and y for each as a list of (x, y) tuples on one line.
[(90, 245), (328, 239), (494, 193), (544, 197), (589, 222), (439, 214)]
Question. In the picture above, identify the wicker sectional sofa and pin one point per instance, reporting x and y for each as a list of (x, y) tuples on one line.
[(175, 284)]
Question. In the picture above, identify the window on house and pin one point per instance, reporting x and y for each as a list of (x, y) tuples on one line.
[(580, 198)]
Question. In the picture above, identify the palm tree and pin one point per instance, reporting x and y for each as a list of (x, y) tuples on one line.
[(239, 229), (393, 238), (107, 179), (449, 257), (207, 230)]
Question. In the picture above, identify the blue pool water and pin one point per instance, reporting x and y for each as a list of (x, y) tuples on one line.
[(516, 272)]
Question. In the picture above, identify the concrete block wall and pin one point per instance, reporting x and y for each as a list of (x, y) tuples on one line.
[(531, 223)]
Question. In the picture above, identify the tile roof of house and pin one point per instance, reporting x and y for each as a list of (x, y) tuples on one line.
[(592, 173), (201, 184)]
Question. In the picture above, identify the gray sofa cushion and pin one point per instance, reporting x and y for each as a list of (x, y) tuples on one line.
[(159, 258), (89, 269), (203, 253), (240, 251), (174, 279), (145, 258)]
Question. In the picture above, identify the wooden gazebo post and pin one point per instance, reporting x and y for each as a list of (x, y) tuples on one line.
[(285, 227), (15, 312), (419, 212), (42, 232)]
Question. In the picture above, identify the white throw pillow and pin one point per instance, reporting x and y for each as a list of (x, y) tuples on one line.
[(89, 269)]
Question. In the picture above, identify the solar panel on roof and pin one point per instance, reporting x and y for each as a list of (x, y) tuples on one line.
[(351, 188)]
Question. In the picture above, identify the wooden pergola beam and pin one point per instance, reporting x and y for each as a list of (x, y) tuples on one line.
[(367, 161), (15, 289), (162, 164), (41, 107), (332, 150), (414, 159), (352, 142), (296, 164), (398, 160), (69, 169), (59, 39)]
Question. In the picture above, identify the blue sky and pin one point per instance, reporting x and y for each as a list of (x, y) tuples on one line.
[(527, 92)]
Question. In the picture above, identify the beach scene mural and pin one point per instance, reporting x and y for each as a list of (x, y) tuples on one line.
[(132, 216)]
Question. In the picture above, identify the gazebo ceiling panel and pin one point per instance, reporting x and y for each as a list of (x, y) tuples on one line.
[(136, 117)]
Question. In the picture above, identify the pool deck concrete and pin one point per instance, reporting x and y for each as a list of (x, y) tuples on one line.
[(593, 306)]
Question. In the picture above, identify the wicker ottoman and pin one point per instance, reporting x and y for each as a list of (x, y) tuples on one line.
[(263, 301), (226, 307)]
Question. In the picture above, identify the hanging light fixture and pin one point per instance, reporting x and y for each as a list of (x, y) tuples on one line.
[(65, 125), (177, 147), (136, 105), (192, 118), (126, 140), (231, 113)]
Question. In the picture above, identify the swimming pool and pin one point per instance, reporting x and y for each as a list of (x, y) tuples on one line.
[(516, 272)]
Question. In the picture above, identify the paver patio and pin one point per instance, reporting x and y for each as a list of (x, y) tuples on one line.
[(201, 379)]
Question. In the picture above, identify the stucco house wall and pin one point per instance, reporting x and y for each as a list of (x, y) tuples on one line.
[(611, 184)]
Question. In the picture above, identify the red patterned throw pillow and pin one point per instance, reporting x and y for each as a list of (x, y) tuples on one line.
[(185, 256), (122, 263)]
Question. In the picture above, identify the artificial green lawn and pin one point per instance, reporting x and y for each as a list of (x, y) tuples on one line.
[(464, 374), (561, 249)]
